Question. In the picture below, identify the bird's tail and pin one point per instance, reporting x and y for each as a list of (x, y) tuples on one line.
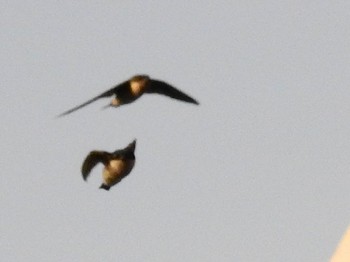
[(105, 187)]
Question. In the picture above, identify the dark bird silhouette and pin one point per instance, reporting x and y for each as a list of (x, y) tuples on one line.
[(130, 90), (117, 164)]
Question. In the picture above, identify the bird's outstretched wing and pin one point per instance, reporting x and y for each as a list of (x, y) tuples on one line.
[(125, 153), (160, 87), (92, 159), (107, 93)]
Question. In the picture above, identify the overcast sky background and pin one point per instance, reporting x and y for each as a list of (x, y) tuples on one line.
[(258, 172)]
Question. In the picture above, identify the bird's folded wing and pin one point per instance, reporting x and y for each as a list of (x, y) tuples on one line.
[(163, 88), (107, 93), (93, 158)]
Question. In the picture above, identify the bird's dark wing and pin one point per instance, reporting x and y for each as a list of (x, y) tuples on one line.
[(93, 158), (123, 154), (160, 87), (107, 93)]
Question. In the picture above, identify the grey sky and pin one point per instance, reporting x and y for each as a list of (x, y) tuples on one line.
[(258, 172)]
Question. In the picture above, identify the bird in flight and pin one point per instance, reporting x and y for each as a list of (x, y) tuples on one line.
[(130, 90), (117, 165)]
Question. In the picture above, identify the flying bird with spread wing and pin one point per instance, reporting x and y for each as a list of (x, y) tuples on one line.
[(130, 90), (117, 165)]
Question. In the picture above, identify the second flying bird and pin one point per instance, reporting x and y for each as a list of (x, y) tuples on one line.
[(132, 89)]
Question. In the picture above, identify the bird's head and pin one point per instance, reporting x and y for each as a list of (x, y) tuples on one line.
[(140, 78)]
